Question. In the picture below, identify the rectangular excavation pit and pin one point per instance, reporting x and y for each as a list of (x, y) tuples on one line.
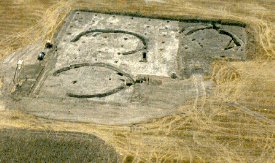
[(105, 64)]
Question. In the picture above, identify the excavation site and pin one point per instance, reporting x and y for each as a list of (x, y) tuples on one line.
[(137, 81), (116, 69)]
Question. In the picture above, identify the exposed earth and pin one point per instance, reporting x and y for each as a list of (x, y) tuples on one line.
[(153, 80), (117, 69)]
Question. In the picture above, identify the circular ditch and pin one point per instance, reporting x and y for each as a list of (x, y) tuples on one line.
[(213, 37), (87, 80), (17, 145)]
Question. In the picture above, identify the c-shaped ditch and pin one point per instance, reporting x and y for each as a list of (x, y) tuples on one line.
[(143, 39)]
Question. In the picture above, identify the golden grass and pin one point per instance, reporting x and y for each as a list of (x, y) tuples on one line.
[(236, 124)]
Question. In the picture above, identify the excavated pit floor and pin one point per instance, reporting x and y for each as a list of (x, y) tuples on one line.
[(116, 69)]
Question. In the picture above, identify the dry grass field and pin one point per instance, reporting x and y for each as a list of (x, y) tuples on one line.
[(235, 125)]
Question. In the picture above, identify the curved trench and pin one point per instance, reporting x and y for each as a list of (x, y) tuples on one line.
[(99, 95), (140, 37)]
